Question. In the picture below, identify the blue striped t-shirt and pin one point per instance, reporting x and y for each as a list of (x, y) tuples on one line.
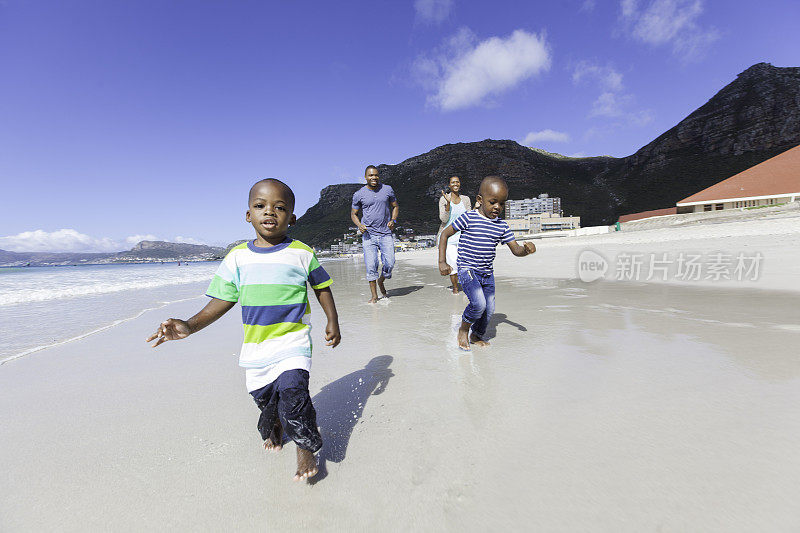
[(479, 238)]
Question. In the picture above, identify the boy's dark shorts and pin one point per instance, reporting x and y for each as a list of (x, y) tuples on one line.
[(287, 399)]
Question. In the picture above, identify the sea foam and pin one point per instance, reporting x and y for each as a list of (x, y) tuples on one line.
[(58, 283)]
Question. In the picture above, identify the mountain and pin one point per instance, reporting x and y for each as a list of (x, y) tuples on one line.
[(755, 117), (750, 120), (329, 218), (232, 245), (145, 251), (36, 258), (171, 250)]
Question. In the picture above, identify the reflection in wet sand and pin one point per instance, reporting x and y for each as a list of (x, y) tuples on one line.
[(597, 407), (602, 397), (606, 384)]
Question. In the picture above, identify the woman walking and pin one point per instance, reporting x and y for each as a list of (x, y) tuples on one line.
[(451, 206)]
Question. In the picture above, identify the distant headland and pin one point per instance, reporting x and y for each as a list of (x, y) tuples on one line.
[(143, 252)]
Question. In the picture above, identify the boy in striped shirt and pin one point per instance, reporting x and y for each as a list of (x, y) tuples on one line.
[(482, 230), (268, 276)]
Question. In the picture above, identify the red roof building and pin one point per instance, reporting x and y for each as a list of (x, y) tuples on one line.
[(772, 182), (647, 214)]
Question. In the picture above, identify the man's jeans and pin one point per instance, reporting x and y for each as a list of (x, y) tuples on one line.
[(374, 244), (479, 288)]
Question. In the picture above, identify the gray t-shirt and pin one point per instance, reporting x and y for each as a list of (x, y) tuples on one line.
[(376, 210)]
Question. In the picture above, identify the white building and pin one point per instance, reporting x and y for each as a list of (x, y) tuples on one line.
[(542, 222), (347, 248), (533, 206)]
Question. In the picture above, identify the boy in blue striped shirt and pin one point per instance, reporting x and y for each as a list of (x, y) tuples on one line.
[(482, 230)]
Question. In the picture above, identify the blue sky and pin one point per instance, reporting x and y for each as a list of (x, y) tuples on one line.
[(131, 119)]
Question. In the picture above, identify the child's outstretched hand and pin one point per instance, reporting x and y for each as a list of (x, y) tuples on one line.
[(170, 330), (332, 335), (444, 268), (529, 247)]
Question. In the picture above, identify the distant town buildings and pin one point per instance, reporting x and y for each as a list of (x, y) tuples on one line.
[(350, 243), (347, 248), (538, 215), (533, 206), (542, 222), (524, 217)]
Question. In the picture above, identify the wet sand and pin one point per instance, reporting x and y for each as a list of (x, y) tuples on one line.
[(599, 407), (776, 237)]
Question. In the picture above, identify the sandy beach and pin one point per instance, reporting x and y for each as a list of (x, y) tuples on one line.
[(603, 406), (640, 372)]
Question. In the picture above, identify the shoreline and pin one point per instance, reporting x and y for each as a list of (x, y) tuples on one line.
[(120, 321), (613, 405), (60, 265), (47, 306), (558, 258)]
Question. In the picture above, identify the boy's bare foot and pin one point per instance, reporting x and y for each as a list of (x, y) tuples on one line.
[(474, 339), (274, 442), (463, 335), (373, 300), (306, 465), (381, 287), (463, 340)]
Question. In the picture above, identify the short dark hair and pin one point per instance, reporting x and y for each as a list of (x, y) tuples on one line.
[(369, 167), (489, 181), (286, 188)]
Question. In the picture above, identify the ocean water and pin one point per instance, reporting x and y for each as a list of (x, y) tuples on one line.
[(43, 306)]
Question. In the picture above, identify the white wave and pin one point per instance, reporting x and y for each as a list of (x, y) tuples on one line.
[(40, 287)]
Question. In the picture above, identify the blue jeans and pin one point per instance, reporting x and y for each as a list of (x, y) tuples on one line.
[(374, 244), (479, 288)]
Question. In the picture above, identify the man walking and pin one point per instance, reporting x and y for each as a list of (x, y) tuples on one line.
[(376, 223)]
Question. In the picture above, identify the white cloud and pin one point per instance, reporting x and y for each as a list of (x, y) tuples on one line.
[(669, 22), (612, 102), (547, 135), (425, 72), (463, 73), (607, 76), (628, 7), (136, 239), (62, 240), (432, 11), (608, 105), (188, 240), (640, 118), (588, 6), (695, 45)]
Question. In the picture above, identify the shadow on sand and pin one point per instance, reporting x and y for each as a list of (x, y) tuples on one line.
[(339, 407), (403, 291), (497, 319)]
